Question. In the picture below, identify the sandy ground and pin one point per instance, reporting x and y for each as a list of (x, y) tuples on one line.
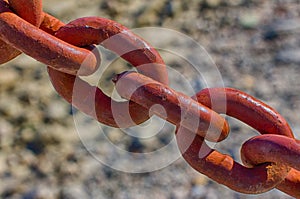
[(46, 149)]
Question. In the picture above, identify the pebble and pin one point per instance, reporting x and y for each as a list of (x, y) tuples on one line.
[(8, 77), (57, 110), (6, 134), (11, 106), (148, 14), (199, 180), (114, 135), (74, 191), (180, 192), (246, 82), (198, 192), (249, 20), (213, 3)]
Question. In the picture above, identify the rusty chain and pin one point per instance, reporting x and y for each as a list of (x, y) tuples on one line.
[(271, 160)]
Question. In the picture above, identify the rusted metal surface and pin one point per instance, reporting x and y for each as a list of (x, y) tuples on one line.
[(272, 160), (51, 24), (266, 174), (264, 119), (246, 108), (44, 47), (177, 107), (119, 39), (29, 10), (7, 52), (92, 100), (67, 59), (223, 169), (276, 148)]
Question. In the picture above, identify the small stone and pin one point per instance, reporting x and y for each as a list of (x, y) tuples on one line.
[(213, 3), (27, 134), (6, 134), (8, 76), (57, 110), (28, 158), (115, 135), (147, 19), (246, 82), (199, 180), (180, 192), (11, 106), (249, 20), (20, 171), (73, 192), (198, 192), (211, 194)]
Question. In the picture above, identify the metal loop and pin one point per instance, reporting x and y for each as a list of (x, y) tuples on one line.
[(273, 160), (279, 149), (178, 108), (91, 31), (246, 108), (119, 39), (44, 47), (222, 168), (29, 10)]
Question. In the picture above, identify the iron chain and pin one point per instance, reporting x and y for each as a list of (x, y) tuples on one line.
[(272, 160)]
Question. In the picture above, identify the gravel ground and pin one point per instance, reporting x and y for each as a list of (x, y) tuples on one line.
[(44, 142)]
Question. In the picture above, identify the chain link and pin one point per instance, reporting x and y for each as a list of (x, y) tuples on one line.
[(272, 160)]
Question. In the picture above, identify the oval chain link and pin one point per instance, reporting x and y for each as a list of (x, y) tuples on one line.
[(271, 159)]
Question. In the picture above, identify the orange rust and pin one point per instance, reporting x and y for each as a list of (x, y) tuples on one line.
[(178, 108), (269, 155), (29, 10), (222, 168), (291, 184), (279, 149), (91, 100), (44, 47), (51, 24), (67, 58), (118, 39), (7, 52), (246, 108)]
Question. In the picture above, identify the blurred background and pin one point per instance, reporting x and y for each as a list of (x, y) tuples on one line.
[(255, 45)]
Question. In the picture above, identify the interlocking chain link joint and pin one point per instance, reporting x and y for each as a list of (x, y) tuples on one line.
[(272, 160)]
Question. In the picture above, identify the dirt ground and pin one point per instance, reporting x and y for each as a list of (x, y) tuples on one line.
[(255, 46)]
